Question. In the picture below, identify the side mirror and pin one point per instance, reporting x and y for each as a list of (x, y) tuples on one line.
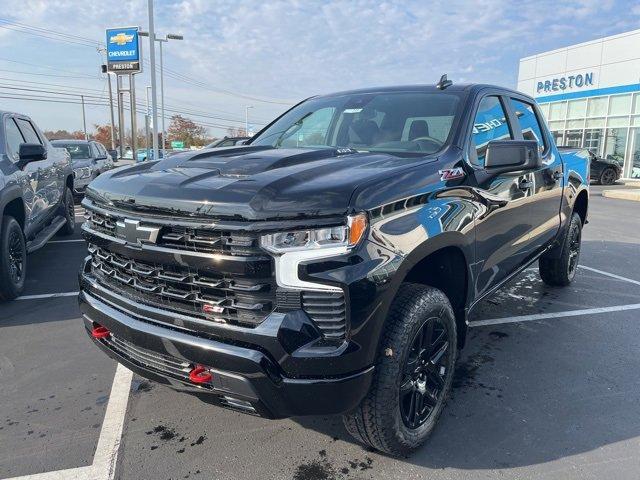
[(512, 155), (31, 152)]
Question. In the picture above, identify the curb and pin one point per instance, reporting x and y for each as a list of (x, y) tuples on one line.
[(623, 194)]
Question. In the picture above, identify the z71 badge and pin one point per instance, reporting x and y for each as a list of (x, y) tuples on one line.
[(451, 173)]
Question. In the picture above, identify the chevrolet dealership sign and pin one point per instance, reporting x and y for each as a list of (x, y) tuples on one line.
[(123, 50)]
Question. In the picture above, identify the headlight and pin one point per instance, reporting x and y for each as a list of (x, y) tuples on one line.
[(341, 236), (83, 172)]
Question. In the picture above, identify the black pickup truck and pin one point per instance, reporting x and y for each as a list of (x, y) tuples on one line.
[(329, 266), (36, 200)]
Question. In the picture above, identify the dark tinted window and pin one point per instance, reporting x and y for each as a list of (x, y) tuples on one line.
[(13, 138), (529, 123), (490, 123), (29, 133)]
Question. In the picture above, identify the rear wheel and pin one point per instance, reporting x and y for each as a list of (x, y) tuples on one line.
[(13, 259), (608, 176), (69, 214), (413, 373), (560, 270)]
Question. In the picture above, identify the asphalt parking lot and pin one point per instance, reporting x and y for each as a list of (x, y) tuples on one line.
[(547, 387)]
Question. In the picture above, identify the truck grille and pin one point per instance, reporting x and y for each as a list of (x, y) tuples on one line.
[(327, 310), (206, 295), (150, 359), (184, 238)]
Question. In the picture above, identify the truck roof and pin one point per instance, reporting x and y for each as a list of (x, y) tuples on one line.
[(456, 87)]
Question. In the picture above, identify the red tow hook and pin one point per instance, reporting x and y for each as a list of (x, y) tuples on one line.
[(99, 331), (199, 374)]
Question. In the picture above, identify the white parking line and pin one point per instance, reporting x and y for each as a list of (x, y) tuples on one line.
[(48, 295), (612, 275), (546, 316), (104, 459)]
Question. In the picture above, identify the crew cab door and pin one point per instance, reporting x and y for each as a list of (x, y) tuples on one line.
[(545, 190), (46, 193), (502, 222), (28, 178)]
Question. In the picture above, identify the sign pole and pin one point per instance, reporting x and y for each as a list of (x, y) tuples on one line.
[(113, 123), (121, 135), (154, 96), (132, 104)]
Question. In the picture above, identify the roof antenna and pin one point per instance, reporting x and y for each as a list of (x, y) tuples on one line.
[(444, 82)]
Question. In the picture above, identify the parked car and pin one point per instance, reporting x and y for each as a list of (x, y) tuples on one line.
[(36, 199), (604, 171), (141, 154), (228, 142), (89, 159), (330, 265)]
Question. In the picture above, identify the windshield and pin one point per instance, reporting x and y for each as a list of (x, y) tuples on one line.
[(396, 122), (76, 150)]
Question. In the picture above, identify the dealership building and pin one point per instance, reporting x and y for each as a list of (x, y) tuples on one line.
[(590, 95)]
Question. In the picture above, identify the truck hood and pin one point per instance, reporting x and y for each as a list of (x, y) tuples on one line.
[(249, 182)]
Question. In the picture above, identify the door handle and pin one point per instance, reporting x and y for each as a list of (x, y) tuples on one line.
[(525, 184)]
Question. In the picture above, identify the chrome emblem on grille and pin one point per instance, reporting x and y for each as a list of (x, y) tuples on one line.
[(136, 234)]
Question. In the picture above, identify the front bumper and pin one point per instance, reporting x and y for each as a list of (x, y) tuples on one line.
[(244, 377)]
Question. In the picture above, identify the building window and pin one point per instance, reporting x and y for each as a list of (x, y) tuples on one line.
[(558, 138), (633, 163), (573, 138), (636, 103), (577, 108), (593, 140), (557, 111), (597, 107), (620, 105), (595, 123), (615, 143)]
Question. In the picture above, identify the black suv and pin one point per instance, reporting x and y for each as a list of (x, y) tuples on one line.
[(36, 200), (329, 266)]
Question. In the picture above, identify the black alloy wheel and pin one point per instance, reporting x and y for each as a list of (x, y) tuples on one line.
[(574, 250), (608, 176), (17, 255), (424, 373)]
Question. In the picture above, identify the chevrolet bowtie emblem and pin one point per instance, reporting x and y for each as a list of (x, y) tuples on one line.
[(136, 234), (121, 39)]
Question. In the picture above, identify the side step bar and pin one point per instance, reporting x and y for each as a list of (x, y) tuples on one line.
[(44, 236)]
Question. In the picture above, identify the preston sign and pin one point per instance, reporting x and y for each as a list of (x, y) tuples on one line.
[(561, 84)]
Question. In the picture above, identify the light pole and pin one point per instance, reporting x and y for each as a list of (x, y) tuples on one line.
[(152, 60), (170, 36), (246, 119)]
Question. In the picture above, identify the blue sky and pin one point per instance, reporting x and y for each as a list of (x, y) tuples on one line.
[(279, 52)]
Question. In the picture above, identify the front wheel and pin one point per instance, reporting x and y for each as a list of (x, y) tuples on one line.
[(13, 259), (413, 373), (560, 270)]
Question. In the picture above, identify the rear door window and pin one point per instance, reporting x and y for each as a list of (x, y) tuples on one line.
[(490, 123), (529, 122)]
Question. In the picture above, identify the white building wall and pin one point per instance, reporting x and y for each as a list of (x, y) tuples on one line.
[(614, 61)]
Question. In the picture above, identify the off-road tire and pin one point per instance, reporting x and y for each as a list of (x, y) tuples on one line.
[(377, 421), (560, 270), (69, 213), (11, 238)]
